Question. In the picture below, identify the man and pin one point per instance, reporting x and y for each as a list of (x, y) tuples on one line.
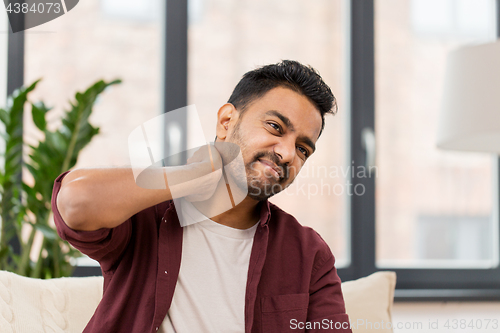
[(253, 268)]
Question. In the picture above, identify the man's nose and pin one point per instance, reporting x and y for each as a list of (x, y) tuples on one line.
[(285, 150)]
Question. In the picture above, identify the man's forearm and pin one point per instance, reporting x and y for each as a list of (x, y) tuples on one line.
[(90, 199)]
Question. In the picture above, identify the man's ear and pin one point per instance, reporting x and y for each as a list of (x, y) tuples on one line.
[(226, 113)]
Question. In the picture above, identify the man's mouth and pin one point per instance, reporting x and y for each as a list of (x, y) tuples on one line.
[(273, 168)]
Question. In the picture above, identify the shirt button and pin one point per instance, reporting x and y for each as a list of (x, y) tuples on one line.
[(166, 272), (157, 328)]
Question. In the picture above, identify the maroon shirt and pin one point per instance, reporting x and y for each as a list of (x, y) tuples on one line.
[(291, 275)]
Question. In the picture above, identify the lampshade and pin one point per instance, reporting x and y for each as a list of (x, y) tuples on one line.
[(470, 113)]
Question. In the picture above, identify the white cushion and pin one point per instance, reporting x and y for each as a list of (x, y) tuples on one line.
[(55, 305), (368, 302)]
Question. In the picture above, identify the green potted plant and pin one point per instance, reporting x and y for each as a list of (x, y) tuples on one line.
[(28, 203)]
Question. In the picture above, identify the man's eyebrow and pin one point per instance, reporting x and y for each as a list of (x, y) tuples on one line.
[(289, 124), (283, 118)]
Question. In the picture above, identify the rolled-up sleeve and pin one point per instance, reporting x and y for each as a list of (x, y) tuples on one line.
[(104, 245)]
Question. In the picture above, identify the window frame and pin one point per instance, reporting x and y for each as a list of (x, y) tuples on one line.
[(15, 80)]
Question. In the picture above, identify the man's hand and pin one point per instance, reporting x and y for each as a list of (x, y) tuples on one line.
[(203, 183), (207, 154)]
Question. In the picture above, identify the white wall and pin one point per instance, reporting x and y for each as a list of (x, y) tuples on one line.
[(4, 30)]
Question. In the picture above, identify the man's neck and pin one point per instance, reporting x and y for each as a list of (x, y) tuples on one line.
[(242, 216)]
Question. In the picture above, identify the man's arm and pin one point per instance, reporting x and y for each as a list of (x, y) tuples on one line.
[(91, 199)]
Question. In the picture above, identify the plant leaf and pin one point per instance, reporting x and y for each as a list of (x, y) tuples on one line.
[(38, 111), (47, 231)]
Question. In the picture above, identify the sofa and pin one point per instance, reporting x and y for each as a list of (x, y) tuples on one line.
[(66, 304)]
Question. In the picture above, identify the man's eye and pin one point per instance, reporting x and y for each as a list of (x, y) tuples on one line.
[(275, 126), (303, 151)]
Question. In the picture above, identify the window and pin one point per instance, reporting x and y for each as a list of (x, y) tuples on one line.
[(434, 208), (100, 40), (431, 215)]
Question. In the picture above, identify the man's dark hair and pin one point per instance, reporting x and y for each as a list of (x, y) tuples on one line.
[(290, 74)]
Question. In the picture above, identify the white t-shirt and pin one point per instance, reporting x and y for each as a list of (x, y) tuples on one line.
[(210, 291)]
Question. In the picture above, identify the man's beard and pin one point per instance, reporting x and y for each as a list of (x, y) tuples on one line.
[(260, 185)]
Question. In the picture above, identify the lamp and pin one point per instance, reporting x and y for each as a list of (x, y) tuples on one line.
[(470, 114)]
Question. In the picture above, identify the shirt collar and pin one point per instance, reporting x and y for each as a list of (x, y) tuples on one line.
[(265, 213)]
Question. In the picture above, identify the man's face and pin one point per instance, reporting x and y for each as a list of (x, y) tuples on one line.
[(276, 134)]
